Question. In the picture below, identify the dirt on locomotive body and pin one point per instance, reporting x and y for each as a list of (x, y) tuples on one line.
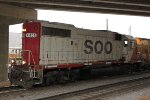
[(143, 46), (57, 52)]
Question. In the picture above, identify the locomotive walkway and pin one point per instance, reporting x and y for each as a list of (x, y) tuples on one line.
[(55, 91)]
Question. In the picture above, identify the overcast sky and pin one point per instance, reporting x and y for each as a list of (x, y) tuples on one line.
[(118, 23), (96, 21)]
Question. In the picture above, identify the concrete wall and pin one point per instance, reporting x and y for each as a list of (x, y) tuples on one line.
[(4, 35)]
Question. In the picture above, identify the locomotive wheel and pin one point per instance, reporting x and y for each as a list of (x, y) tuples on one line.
[(27, 84), (74, 75), (62, 77), (85, 74), (51, 77)]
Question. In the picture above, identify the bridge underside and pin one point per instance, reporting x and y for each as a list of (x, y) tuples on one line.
[(127, 7), (10, 15)]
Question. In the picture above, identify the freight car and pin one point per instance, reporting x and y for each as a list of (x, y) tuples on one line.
[(143, 46), (58, 52)]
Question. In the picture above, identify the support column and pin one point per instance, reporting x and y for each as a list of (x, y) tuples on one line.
[(10, 15), (4, 41)]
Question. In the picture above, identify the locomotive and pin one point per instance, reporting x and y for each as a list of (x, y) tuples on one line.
[(57, 52)]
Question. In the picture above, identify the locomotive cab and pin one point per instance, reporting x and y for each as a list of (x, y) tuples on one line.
[(129, 49)]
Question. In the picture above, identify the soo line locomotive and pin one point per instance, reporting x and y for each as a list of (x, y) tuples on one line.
[(57, 52)]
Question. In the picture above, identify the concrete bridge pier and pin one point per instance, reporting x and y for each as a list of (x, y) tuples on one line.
[(10, 15), (4, 37)]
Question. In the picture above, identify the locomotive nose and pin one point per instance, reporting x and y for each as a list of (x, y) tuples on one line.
[(20, 78), (15, 75)]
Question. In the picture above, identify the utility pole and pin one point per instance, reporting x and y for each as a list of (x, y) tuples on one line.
[(130, 30), (107, 24)]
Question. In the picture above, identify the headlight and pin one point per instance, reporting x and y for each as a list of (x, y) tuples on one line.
[(12, 61), (23, 62), (24, 30), (9, 65)]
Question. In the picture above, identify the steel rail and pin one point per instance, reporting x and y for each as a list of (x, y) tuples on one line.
[(91, 93), (10, 89), (121, 89)]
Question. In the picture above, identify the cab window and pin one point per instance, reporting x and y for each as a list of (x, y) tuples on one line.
[(132, 44), (125, 43)]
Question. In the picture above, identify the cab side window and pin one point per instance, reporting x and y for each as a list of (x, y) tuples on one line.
[(125, 43)]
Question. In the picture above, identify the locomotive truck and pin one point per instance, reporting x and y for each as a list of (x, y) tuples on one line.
[(57, 52)]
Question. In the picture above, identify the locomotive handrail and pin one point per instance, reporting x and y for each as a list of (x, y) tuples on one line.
[(30, 55)]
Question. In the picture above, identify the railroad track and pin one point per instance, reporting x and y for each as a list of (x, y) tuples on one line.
[(85, 89), (98, 92), (10, 89)]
